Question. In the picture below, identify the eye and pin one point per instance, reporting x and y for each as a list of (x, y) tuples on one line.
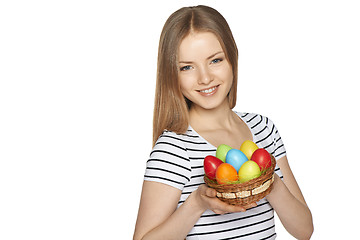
[(216, 60), (186, 68)]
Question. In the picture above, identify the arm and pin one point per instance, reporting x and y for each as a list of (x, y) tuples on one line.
[(158, 217), (288, 202)]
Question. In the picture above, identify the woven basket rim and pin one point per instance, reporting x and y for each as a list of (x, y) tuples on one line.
[(248, 192), (235, 187)]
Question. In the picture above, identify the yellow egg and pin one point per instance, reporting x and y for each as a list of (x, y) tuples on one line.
[(248, 148), (249, 170)]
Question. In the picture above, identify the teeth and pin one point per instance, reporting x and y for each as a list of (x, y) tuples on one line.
[(208, 90)]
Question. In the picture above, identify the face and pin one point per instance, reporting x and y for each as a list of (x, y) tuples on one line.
[(205, 74)]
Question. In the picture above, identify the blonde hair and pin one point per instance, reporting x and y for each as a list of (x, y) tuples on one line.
[(171, 107)]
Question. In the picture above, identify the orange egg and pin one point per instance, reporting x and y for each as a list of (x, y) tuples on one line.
[(226, 173)]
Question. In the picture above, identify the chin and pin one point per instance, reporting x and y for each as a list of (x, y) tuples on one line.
[(211, 106)]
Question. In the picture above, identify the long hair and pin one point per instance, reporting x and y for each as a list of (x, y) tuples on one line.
[(171, 110)]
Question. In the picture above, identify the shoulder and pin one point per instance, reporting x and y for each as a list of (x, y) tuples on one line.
[(171, 140), (169, 161), (170, 145), (182, 141), (265, 133), (255, 119), (176, 138)]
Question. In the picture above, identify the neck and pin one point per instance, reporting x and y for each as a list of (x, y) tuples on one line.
[(209, 119)]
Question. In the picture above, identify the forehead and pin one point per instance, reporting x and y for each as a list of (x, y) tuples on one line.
[(198, 45)]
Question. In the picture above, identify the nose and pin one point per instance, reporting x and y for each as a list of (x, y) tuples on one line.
[(205, 76)]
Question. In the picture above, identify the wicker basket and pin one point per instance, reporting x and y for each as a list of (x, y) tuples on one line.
[(247, 192)]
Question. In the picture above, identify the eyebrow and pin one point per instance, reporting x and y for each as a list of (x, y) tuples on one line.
[(211, 56)]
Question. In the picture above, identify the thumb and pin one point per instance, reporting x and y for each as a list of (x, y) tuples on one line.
[(210, 192)]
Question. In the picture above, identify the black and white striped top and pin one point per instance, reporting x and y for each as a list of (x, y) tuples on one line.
[(177, 160)]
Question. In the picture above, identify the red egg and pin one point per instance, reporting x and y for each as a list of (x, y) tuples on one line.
[(211, 163), (262, 158)]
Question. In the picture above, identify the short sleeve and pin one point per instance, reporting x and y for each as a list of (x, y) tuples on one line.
[(268, 137), (169, 162), (278, 149)]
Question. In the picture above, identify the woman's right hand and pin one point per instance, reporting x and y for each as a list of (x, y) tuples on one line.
[(206, 199), (159, 216)]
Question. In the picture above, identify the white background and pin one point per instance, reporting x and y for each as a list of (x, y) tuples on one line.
[(76, 100)]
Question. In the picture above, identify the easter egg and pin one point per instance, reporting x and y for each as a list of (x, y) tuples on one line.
[(248, 148), (211, 163), (235, 158), (249, 170), (221, 151), (262, 158), (226, 173)]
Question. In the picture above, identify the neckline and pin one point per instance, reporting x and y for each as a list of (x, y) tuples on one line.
[(207, 142)]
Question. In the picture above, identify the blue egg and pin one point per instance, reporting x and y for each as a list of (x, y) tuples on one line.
[(236, 158)]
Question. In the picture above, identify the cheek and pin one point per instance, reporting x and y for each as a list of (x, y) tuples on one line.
[(229, 76), (186, 84), (225, 73)]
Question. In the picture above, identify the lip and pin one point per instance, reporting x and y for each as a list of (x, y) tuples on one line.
[(208, 91)]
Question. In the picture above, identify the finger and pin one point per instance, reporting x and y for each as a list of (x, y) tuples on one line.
[(225, 207), (234, 208), (217, 211), (254, 204), (250, 205)]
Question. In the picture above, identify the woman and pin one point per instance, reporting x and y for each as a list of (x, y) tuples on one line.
[(195, 94)]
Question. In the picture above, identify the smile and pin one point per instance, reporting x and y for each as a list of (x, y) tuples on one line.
[(209, 91)]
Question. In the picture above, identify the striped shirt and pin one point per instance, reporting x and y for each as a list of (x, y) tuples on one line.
[(177, 160)]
